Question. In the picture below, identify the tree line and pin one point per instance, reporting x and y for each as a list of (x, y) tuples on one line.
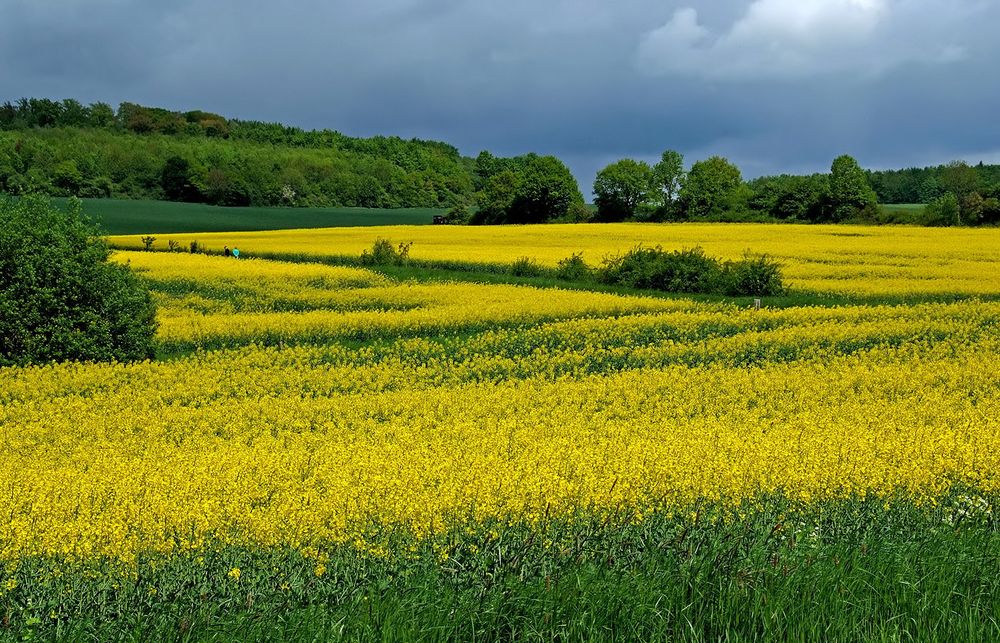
[(924, 185), (714, 190), (65, 148)]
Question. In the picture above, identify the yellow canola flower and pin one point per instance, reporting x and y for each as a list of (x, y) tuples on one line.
[(865, 260), (541, 404), (215, 301), (171, 456)]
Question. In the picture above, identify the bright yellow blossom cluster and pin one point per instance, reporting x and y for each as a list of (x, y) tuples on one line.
[(210, 301), (865, 260), (478, 403)]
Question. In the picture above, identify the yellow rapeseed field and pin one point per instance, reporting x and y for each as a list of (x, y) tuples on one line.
[(310, 405), (823, 258), (214, 301)]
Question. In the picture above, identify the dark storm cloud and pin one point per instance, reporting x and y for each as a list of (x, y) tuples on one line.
[(777, 85)]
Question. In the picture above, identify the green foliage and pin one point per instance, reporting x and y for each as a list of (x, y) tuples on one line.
[(923, 185), (60, 298), (713, 187), (67, 177), (850, 193), (668, 177), (621, 187), (526, 267), (525, 189), (972, 206), (853, 569), (546, 191), (944, 211), (150, 153), (692, 271), (688, 271), (384, 253), (118, 216), (578, 212), (574, 268), (991, 211), (497, 198), (790, 198), (755, 275), (177, 180), (458, 215), (959, 179)]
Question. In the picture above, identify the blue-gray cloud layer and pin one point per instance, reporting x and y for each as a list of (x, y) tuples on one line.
[(776, 85)]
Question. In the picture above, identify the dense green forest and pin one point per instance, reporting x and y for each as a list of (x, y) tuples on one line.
[(923, 185), (714, 190), (65, 148)]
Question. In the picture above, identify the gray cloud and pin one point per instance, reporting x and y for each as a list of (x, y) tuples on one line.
[(792, 39), (776, 85)]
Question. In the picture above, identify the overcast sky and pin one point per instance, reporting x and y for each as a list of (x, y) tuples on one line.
[(775, 85)]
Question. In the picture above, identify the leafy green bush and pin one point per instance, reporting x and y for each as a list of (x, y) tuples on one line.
[(60, 297), (458, 215), (943, 211), (755, 275), (526, 267), (689, 270), (573, 268), (692, 271), (576, 213), (383, 253)]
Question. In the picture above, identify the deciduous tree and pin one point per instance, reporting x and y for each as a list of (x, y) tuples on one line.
[(621, 187), (712, 188)]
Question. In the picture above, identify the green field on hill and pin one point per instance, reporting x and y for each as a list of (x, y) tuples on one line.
[(141, 217)]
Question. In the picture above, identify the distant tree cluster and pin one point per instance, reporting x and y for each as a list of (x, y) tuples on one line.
[(957, 193), (28, 113), (64, 148), (713, 189), (525, 189), (923, 185)]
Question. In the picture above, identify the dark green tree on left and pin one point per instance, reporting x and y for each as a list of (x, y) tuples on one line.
[(60, 296)]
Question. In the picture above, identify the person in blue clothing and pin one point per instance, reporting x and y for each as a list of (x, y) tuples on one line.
[(236, 252)]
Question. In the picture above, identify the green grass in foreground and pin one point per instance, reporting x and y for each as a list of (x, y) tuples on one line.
[(140, 217), (773, 570)]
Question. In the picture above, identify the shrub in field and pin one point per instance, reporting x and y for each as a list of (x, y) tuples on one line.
[(147, 243), (384, 253), (60, 298), (755, 274), (458, 215), (573, 268), (943, 211), (689, 270), (526, 267), (196, 248), (576, 213)]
